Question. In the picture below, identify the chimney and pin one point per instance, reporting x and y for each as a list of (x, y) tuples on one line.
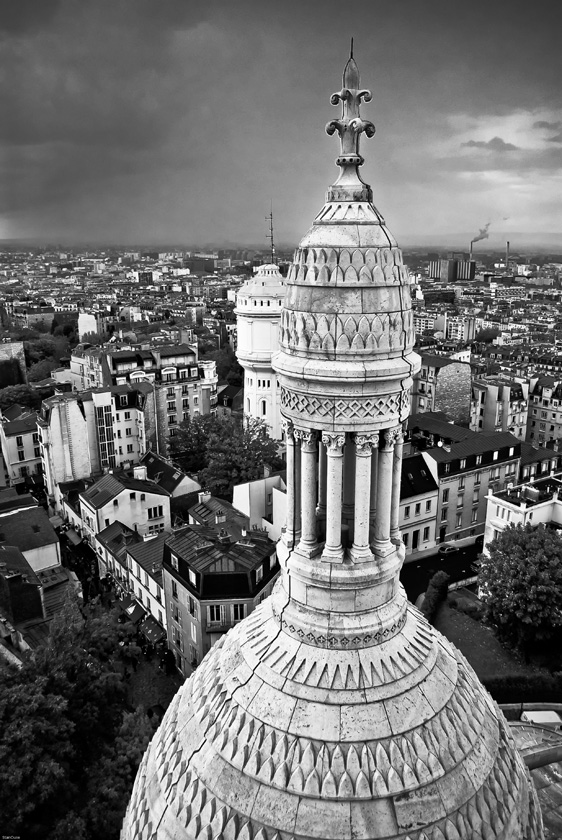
[(139, 472), (220, 516), (204, 496), (507, 257)]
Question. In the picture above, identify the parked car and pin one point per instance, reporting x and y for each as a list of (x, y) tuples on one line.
[(447, 548)]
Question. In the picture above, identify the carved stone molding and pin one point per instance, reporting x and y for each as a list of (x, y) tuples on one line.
[(375, 408), (392, 437), (308, 439), (347, 334), (288, 428)]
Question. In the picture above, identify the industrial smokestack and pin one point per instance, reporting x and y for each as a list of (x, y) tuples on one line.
[(470, 251), (507, 257)]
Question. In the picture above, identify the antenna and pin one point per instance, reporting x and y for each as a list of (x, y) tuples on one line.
[(270, 234)]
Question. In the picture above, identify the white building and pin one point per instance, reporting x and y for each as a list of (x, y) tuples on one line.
[(258, 309), (20, 448)]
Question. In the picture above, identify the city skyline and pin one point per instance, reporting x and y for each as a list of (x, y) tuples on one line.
[(177, 122)]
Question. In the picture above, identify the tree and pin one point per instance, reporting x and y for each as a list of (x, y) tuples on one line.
[(521, 584), (24, 395), (487, 334), (223, 451), (41, 370)]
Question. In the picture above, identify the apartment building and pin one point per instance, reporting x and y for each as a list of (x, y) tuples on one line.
[(466, 471), (499, 404), (215, 574), (534, 503), (418, 506), (182, 386), (21, 452), (83, 434), (442, 384), (140, 504), (544, 421)]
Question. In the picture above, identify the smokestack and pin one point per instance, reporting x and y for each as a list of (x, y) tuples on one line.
[(470, 251), (507, 257)]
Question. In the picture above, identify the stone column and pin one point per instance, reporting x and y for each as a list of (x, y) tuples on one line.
[(396, 479), (322, 476), (363, 452), (384, 491), (349, 481), (289, 537), (374, 478), (334, 444), (309, 460)]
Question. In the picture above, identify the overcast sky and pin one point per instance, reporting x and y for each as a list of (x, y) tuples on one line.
[(178, 121)]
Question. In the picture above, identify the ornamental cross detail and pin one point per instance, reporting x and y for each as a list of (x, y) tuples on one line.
[(350, 126)]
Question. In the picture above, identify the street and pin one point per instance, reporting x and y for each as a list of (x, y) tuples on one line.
[(416, 575)]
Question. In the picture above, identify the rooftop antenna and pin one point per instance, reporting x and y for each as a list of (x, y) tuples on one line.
[(351, 49), (270, 234)]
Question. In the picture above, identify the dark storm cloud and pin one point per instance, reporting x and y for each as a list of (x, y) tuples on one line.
[(550, 126), (182, 119), (496, 144), (556, 139)]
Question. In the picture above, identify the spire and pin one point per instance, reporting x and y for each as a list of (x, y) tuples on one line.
[(350, 126)]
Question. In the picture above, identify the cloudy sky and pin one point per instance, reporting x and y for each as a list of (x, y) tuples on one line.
[(178, 121)]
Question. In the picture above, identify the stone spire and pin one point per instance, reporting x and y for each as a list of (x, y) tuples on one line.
[(334, 711)]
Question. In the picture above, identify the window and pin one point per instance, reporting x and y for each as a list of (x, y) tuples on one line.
[(428, 506), (37, 452), (426, 534), (238, 612), (214, 613), (195, 400), (123, 399), (478, 460), (458, 520), (174, 561), (24, 471), (128, 432), (460, 500), (19, 440), (21, 455), (194, 632), (407, 512), (172, 419), (477, 479), (461, 482), (447, 468), (406, 539), (462, 463), (130, 447), (171, 405), (127, 415), (475, 497), (444, 514), (174, 590), (474, 515), (115, 502), (495, 455), (192, 578), (445, 495), (259, 574), (418, 508), (155, 512)]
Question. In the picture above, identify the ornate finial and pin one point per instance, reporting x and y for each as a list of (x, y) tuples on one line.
[(350, 126)]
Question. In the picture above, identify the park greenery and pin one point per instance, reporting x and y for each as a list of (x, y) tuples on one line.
[(520, 582), (69, 745), (223, 451)]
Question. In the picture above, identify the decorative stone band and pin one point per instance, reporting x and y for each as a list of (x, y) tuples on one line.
[(345, 641), (333, 266), (389, 407), (327, 333)]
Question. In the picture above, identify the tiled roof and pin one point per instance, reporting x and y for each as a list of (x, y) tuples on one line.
[(531, 455), (14, 561), (21, 426), (28, 529), (433, 423), (476, 445), (169, 476), (416, 477), (10, 499), (110, 486), (149, 554)]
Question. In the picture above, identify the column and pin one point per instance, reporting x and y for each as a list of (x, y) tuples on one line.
[(309, 460), (384, 491), (322, 476), (349, 481), (334, 444), (363, 449), (288, 429), (396, 479), (374, 479)]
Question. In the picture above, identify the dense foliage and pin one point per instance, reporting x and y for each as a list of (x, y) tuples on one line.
[(520, 582), (69, 748), (435, 595), (223, 451)]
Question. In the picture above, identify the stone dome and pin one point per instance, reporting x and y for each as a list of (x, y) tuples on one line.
[(335, 711)]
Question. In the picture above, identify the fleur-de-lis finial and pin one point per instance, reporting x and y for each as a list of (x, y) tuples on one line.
[(350, 126)]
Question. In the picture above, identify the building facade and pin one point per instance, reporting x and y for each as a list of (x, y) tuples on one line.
[(499, 405), (20, 448)]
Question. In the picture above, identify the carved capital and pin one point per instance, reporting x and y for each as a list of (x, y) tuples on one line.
[(364, 444), (308, 438), (288, 428), (392, 437), (333, 442)]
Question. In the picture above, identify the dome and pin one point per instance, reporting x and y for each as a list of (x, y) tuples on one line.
[(334, 711)]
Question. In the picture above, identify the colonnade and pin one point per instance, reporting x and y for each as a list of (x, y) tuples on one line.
[(346, 485)]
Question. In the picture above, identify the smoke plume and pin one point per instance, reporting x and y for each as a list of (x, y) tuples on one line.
[(482, 233)]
